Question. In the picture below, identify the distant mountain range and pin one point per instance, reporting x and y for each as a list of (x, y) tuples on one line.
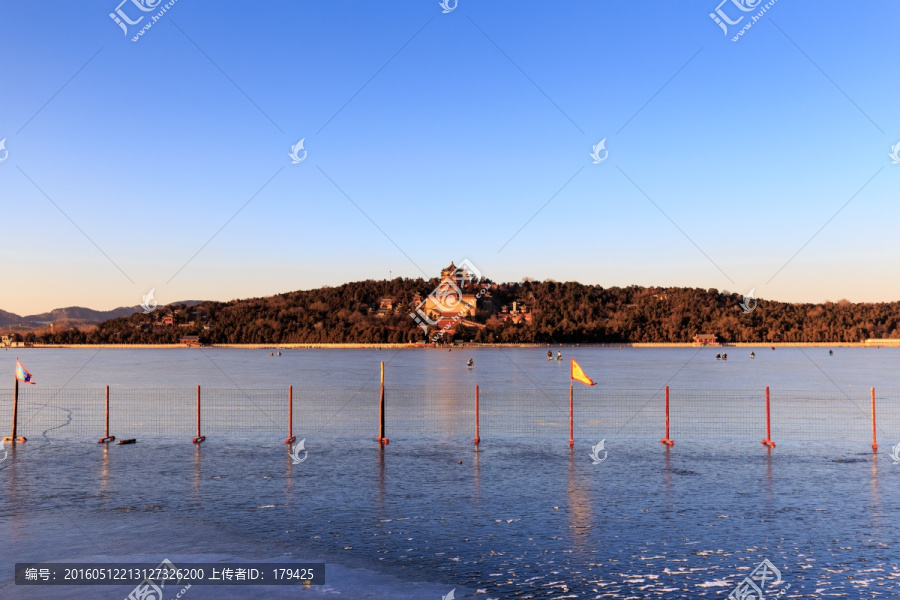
[(70, 316)]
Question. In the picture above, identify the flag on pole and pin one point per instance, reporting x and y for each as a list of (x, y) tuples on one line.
[(22, 374), (578, 374)]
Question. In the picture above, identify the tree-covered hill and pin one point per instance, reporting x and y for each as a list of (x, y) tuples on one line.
[(560, 312)]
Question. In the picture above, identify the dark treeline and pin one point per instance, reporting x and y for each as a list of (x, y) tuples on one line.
[(562, 312)]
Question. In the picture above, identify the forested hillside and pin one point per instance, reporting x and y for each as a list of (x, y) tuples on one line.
[(560, 312)]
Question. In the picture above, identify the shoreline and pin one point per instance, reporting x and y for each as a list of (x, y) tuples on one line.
[(377, 346)]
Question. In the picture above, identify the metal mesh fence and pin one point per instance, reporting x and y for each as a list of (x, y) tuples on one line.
[(717, 414), (424, 413)]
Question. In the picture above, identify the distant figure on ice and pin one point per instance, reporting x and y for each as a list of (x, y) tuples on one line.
[(559, 356), (724, 356), (753, 355), (471, 364), (718, 357), (831, 353), (549, 354)]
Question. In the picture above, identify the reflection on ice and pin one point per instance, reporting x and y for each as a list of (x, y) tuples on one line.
[(513, 518)]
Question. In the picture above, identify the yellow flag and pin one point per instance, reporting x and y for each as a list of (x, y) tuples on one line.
[(578, 374)]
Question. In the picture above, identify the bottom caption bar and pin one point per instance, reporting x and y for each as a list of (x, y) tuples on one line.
[(167, 574)]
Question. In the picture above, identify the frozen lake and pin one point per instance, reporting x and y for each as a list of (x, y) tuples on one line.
[(519, 516), (431, 394), (512, 520), (522, 368)]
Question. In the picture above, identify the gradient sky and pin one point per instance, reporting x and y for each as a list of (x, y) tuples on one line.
[(435, 137)]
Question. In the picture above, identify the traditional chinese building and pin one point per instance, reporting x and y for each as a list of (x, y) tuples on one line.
[(449, 303), (385, 307), (459, 275), (516, 313), (449, 300), (706, 339)]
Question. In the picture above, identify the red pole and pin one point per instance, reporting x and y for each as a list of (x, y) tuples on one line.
[(107, 437), (290, 438), (477, 423), (768, 441), (874, 438), (381, 437), (571, 416), (15, 410), (667, 440), (199, 437), (15, 421), (15, 437)]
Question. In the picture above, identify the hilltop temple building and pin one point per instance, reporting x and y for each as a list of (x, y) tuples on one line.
[(450, 301)]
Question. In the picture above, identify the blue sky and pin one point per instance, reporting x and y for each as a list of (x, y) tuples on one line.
[(451, 132)]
